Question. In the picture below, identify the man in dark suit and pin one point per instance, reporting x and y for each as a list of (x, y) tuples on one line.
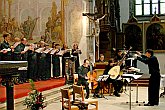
[(101, 59), (19, 54), (154, 81), (5, 48)]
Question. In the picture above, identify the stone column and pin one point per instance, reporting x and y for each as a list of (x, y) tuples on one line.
[(64, 40), (9, 8), (92, 49), (131, 7), (4, 8), (0, 9)]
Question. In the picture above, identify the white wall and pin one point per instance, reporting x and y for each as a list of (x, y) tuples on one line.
[(124, 11), (161, 59)]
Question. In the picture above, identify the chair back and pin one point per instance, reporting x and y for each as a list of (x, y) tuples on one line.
[(66, 99), (78, 90), (65, 93), (75, 78)]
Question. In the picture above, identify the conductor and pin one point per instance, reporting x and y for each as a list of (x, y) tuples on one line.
[(154, 80)]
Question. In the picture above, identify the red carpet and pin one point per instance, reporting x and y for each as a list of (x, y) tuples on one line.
[(22, 90)]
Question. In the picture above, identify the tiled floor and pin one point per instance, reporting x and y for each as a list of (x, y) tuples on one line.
[(119, 103)]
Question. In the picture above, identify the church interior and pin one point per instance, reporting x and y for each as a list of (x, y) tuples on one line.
[(47, 46)]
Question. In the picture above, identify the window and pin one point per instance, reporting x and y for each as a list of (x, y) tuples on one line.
[(148, 7)]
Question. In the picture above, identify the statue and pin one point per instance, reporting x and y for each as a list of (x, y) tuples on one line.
[(54, 11), (14, 24), (49, 24), (9, 26), (48, 38), (96, 28), (4, 24), (28, 27)]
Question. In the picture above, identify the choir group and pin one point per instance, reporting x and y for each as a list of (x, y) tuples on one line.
[(44, 61)]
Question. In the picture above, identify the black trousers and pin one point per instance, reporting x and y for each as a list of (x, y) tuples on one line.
[(86, 84), (153, 90), (117, 84)]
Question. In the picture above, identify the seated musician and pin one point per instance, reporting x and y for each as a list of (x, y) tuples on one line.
[(115, 82), (101, 59), (119, 55), (82, 76)]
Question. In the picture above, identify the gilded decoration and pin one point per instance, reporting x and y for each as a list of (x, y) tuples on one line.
[(48, 20)]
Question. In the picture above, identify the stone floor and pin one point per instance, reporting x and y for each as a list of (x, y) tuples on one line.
[(120, 103), (107, 103)]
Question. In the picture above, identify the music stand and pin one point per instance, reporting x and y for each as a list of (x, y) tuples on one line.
[(131, 78), (71, 69), (163, 85), (102, 79)]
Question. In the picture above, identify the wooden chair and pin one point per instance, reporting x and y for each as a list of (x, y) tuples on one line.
[(75, 77), (66, 102), (79, 90)]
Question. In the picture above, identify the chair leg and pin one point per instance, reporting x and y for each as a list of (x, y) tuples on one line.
[(110, 89), (96, 105)]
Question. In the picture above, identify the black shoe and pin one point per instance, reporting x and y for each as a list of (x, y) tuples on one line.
[(86, 97), (117, 94), (3, 83), (148, 104), (20, 82), (96, 95)]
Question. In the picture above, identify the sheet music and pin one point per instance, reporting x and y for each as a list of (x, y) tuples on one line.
[(47, 50), (134, 76), (162, 81), (34, 46), (163, 75), (26, 48), (77, 51), (53, 51), (134, 69), (103, 78), (22, 68), (100, 78), (15, 44), (61, 52), (6, 49), (137, 76), (68, 50), (40, 50), (13, 62)]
